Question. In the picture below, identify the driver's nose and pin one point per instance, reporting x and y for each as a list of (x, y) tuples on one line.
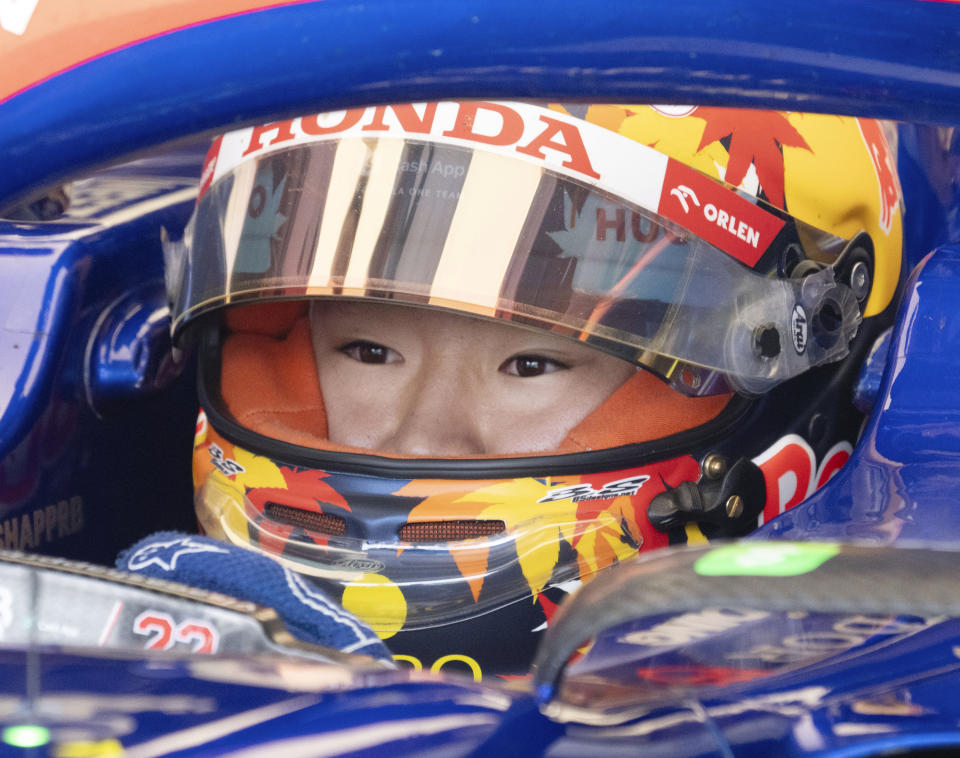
[(441, 415)]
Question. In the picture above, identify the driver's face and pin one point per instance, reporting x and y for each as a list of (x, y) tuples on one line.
[(426, 383)]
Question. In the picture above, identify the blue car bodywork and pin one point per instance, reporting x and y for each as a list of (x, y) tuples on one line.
[(851, 651)]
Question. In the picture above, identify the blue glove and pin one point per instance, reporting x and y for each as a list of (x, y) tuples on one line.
[(220, 567)]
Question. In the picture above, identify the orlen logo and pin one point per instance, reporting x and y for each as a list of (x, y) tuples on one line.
[(717, 214), (684, 193)]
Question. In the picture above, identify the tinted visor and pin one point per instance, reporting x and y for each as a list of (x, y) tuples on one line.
[(434, 224)]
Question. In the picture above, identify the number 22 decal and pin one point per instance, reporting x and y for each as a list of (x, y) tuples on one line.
[(164, 632)]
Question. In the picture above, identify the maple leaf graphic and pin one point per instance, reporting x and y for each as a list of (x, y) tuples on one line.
[(537, 528), (756, 137), (310, 483)]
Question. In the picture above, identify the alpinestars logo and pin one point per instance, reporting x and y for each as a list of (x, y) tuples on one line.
[(580, 492)]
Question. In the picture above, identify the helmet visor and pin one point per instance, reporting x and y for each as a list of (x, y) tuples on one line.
[(427, 223)]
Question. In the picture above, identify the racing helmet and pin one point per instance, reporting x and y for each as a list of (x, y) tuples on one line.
[(742, 261)]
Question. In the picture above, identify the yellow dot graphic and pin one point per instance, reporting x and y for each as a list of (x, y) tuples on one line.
[(378, 601)]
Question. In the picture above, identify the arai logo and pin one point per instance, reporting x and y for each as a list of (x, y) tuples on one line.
[(366, 565), (798, 328)]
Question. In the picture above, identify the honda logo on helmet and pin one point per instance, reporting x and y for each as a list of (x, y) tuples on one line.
[(534, 132)]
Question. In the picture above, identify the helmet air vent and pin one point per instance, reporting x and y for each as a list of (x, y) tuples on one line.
[(313, 521), (449, 531)]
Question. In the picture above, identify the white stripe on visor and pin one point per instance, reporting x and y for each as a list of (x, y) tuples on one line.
[(351, 156), (236, 214), (380, 172), (472, 263)]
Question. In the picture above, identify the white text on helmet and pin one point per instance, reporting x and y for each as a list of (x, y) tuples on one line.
[(478, 122), (740, 229), (579, 492)]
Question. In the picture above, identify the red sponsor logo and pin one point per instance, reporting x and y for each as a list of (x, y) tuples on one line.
[(548, 133), (883, 167), (717, 214), (791, 472)]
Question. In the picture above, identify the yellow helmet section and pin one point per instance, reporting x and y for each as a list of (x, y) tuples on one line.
[(845, 183), (834, 172)]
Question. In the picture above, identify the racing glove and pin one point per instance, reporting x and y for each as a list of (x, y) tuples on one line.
[(217, 566)]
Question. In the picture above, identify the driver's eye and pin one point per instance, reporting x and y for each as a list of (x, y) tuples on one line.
[(370, 352), (526, 366)]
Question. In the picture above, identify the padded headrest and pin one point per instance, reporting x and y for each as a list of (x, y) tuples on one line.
[(273, 319)]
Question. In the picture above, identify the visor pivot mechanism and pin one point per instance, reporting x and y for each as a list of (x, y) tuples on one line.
[(860, 280), (855, 266), (731, 505), (767, 341)]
